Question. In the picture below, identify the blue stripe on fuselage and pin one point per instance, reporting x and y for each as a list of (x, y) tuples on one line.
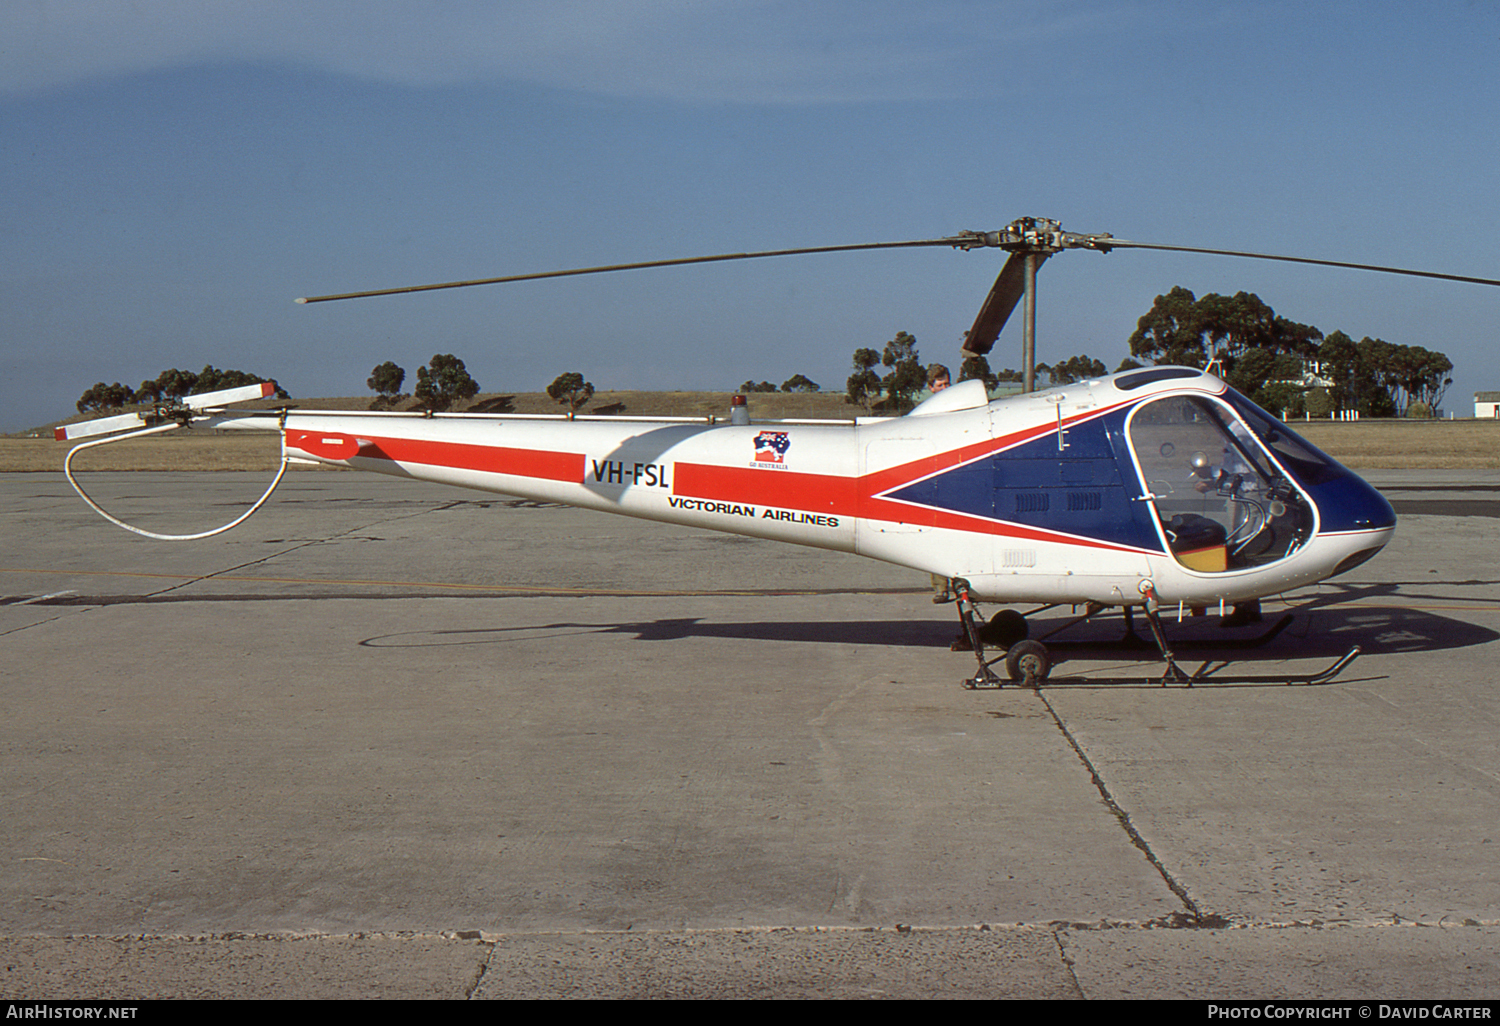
[(1089, 489)]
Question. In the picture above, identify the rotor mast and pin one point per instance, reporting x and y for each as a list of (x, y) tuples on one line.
[(1028, 326)]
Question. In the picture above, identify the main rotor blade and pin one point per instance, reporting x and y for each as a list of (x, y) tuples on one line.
[(964, 241), (1109, 244), (997, 307)]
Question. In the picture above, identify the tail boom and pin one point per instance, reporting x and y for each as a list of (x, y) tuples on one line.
[(680, 472)]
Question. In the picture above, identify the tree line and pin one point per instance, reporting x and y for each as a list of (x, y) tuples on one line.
[(445, 381), (896, 391), (795, 383), (166, 386), (1283, 366), (1290, 368), (441, 383)]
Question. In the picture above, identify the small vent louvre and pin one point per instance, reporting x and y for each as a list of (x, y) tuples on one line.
[(1032, 502), (1079, 502)]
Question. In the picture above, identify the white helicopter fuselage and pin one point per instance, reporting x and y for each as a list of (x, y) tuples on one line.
[(1101, 491)]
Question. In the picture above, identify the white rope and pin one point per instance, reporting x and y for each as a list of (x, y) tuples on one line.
[(68, 472)]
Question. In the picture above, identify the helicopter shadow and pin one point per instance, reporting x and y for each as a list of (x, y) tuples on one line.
[(885, 633), (1379, 618), (1319, 629), (1383, 618)]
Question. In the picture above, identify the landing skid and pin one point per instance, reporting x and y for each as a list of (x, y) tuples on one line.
[(1205, 676), (1028, 663)]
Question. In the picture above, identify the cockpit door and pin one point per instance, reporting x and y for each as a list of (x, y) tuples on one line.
[(1222, 503)]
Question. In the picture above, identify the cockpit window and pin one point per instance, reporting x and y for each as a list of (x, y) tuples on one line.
[(1301, 457), (1222, 501), (1151, 375)]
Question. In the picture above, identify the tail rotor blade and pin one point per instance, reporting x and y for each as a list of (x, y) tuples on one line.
[(187, 406), (225, 396), (99, 426)]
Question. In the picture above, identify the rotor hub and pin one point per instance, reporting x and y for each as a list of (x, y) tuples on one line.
[(1034, 235)]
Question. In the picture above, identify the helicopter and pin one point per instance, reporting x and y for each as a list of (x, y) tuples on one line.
[(1136, 491)]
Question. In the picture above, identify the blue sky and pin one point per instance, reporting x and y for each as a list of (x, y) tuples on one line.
[(174, 173)]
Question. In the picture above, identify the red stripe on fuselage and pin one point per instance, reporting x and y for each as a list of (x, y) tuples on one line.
[(489, 459), (816, 493)]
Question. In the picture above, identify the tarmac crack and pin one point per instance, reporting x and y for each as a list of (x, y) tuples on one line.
[(29, 626), (302, 545), (1195, 917), (62, 598), (484, 970), (1058, 938)]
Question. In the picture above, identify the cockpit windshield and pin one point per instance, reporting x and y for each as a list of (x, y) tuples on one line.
[(1222, 501), (1301, 458)]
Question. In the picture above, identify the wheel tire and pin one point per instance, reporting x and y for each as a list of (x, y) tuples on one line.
[(1028, 662), (1005, 629)]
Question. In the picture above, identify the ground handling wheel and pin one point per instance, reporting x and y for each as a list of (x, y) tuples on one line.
[(1028, 663)]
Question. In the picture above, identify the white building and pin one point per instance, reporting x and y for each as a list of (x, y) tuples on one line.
[(1487, 404)]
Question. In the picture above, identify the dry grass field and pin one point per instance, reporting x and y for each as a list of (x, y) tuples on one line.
[(1408, 444), (1370, 444)]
